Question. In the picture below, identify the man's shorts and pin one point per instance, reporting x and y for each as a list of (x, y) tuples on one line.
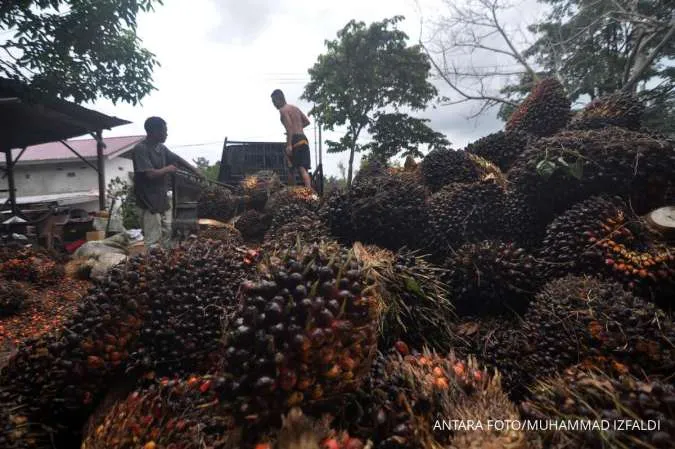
[(300, 156)]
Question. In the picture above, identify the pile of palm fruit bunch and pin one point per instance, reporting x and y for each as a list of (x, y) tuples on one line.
[(544, 112), (258, 188), (157, 313), (217, 203), (415, 304), (305, 330), (26, 264), (412, 396), (627, 411), (622, 109)]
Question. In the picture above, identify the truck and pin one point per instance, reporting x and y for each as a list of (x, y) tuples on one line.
[(241, 159)]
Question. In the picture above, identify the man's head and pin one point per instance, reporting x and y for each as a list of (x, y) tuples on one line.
[(278, 98), (155, 127)]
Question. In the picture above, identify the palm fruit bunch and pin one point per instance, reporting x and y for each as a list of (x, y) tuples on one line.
[(600, 236), (259, 187), (443, 166), (287, 196), (304, 331), (227, 234), (19, 270), (501, 148), (621, 108), (462, 213), (491, 277), (336, 214), (20, 432), (161, 312), (416, 307), (409, 397), (635, 413), (253, 224), (545, 111), (295, 224), (577, 318), (518, 221), (216, 203), (388, 211), (12, 297), (586, 163), (185, 413), (370, 168)]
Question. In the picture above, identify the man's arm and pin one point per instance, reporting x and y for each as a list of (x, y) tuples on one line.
[(285, 119), (305, 120), (179, 161)]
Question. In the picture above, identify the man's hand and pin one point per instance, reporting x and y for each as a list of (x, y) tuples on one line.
[(289, 151), (171, 168)]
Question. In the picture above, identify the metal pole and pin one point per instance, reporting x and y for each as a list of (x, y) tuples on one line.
[(101, 169), (10, 181), (320, 147)]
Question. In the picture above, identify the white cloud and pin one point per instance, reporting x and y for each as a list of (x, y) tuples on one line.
[(222, 59)]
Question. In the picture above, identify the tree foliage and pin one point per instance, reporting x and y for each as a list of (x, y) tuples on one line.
[(396, 133), (210, 171), (77, 49), (366, 70)]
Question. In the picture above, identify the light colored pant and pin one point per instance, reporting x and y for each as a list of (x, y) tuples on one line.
[(156, 228)]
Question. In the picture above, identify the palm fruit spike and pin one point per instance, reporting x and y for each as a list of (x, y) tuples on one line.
[(601, 236), (620, 108), (157, 312), (253, 224), (299, 195), (490, 278), (605, 161), (545, 111), (577, 318), (388, 211), (305, 331), (168, 414), (259, 187), (416, 306), (583, 395), (500, 148), (216, 203), (444, 166), (409, 395), (461, 213)]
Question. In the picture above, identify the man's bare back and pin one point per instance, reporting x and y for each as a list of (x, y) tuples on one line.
[(293, 119)]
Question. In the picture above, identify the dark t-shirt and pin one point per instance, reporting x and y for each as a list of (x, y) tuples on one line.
[(151, 194)]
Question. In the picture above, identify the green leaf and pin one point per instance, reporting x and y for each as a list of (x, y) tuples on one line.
[(546, 168), (577, 169)]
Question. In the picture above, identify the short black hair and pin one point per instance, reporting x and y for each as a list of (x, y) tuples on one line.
[(278, 94), (154, 124)]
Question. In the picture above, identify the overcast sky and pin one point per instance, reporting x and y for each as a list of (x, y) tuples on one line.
[(221, 59)]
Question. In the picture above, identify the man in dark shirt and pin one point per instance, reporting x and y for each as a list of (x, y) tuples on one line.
[(153, 163)]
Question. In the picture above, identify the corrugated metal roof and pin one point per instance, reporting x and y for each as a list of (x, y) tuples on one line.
[(55, 151)]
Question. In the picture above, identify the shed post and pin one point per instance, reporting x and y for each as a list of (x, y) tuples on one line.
[(10, 181), (101, 169)]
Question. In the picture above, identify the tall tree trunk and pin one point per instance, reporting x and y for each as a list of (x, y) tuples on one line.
[(351, 164)]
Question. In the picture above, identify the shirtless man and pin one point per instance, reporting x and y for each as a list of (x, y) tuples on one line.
[(297, 145)]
